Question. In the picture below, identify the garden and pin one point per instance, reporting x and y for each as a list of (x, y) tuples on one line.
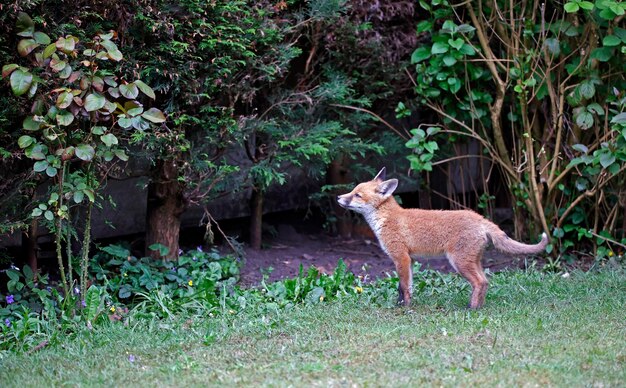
[(170, 170)]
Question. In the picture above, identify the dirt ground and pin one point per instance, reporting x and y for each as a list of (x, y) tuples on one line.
[(282, 256)]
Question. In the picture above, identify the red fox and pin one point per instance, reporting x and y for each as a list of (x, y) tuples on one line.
[(461, 235)]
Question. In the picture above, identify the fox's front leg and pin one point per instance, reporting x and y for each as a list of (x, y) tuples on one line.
[(405, 273)]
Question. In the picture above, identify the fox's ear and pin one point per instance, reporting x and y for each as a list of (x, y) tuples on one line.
[(381, 175), (387, 188)]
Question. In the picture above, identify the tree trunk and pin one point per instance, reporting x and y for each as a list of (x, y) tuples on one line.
[(166, 204), (29, 246), (256, 218), (337, 175)]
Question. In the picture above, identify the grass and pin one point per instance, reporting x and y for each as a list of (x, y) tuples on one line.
[(535, 329)]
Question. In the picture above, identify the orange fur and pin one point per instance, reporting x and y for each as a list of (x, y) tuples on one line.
[(461, 235)]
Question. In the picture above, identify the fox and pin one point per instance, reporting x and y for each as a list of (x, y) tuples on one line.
[(460, 235)]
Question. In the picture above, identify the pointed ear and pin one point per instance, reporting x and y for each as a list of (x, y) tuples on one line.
[(387, 188), (381, 175)]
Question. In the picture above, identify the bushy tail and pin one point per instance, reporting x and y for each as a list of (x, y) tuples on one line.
[(505, 244)]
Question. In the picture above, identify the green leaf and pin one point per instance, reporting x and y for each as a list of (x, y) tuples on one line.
[(109, 139), (420, 55), (85, 152), (51, 171), (92, 303), (607, 159), (611, 40), (553, 46), (64, 118), (587, 89), (145, 89), (64, 100), (586, 5), (125, 122), (571, 7), (8, 69), (30, 124), (439, 48), (24, 24), (20, 81), (26, 46), (40, 166), (154, 115), (78, 196), (594, 107), (456, 43), (129, 91), (619, 118), (41, 38), (25, 141), (48, 215), (581, 148), (38, 152), (602, 54), (584, 120), (94, 101), (49, 50), (467, 49), (449, 60)]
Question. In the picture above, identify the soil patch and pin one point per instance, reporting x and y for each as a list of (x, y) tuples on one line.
[(283, 255)]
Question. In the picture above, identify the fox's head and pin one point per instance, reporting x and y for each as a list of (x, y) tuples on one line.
[(367, 196)]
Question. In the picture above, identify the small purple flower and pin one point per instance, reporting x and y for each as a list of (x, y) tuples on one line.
[(83, 303), (194, 258), (200, 248), (76, 290), (10, 299), (131, 358), (7, 322), (180, 252), (173, 269)]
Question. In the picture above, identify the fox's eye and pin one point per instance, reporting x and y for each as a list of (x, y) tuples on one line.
[(357, 195)]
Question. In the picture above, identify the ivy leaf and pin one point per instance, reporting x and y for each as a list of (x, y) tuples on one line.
[(30, 124), (25, 141), (26, 46), (64, 118), (78, 196), (98, 130), (85, 152), (449, 60), (51, 171), (24, 25), (94, 101), (20, 81), (121, 155), (129, 91), (64, 100), (49, 50), (154, 115), (66, 44), (109, 139), (8, 69), (586, 5), (48, 215), (40, 166), (145, 89), (456, 43), (125, 122)]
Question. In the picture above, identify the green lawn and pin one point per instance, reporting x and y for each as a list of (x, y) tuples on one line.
[(535, 330)]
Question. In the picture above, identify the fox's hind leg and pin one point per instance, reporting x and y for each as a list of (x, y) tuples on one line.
[(470, 267)]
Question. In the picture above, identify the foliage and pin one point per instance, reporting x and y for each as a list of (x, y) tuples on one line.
[(543, 99), (73, 131)]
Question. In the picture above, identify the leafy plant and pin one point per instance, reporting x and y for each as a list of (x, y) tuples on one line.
[(80, 112)]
